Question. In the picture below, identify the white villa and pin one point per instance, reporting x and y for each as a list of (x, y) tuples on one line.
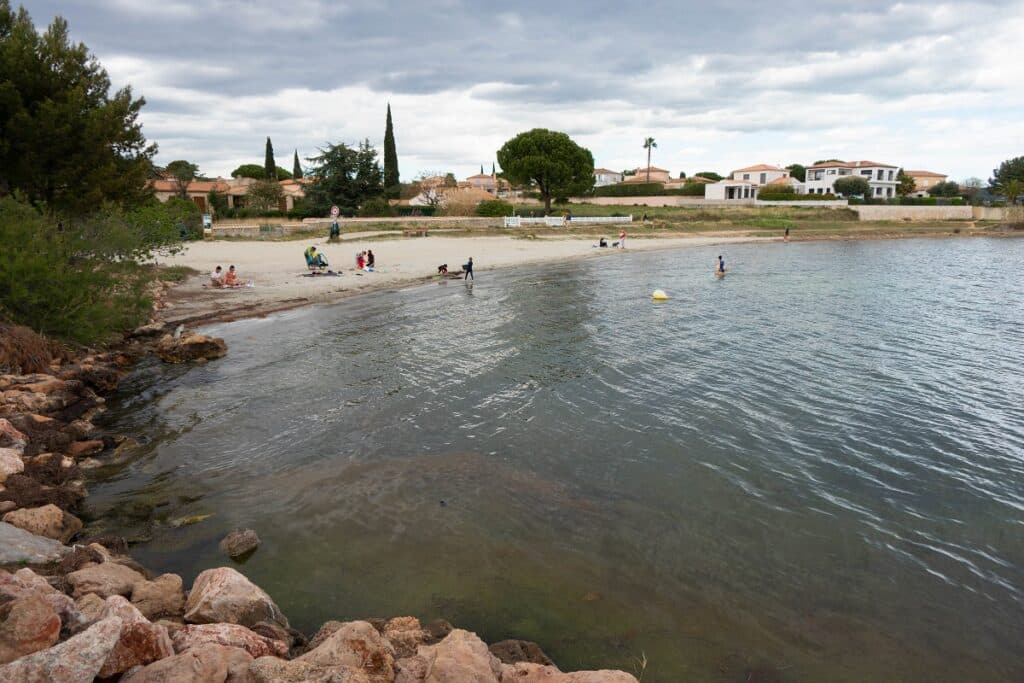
[(602, 177), (881, 177), (746, 182)]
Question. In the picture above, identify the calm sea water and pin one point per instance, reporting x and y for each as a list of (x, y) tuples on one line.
[(810, 470)]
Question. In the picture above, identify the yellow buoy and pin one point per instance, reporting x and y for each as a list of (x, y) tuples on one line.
[(659, 295)]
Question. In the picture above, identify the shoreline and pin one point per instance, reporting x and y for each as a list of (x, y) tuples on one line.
[(193, 304)]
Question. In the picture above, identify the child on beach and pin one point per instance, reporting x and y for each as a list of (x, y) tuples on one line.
[(217, 277), (622, 240), (468, 267)]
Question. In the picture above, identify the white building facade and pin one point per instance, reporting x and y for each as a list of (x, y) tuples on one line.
[(761, 174), (881, 178), (602, 177)]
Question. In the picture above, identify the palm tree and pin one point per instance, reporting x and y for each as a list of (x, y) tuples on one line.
[(649, 144)]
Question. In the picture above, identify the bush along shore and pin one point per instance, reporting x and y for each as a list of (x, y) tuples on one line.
[(76, 609)]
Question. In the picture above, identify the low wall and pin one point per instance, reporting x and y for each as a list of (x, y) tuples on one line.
[(661, 200), (885, 212), (832, 203), (989, 213)]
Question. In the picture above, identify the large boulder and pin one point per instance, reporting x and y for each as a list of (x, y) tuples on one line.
[(526, 672), (32, 625), (232, 635), (461, 657), (140, 641), (10, 463), (76, 660), (11, 437), (25, 583), (161, 597), (405, 635), (239, 542), (206, 664), (48, 520), (356, 651), (106, 579), (191, 348), (224, 595), (18, 546)]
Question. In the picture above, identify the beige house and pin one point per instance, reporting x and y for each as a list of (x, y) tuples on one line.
[(925, 180), (604, 176), (491, 184), (234, 189), (657, 175)]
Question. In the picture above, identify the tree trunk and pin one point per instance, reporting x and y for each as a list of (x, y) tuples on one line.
[(547, 204), (648, 164)]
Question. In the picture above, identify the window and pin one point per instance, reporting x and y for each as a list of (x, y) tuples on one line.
[(890, 175), (844, 171), (866, 173), (764, 178), (881, 174), (831, 171), (817, 175), (888, 192), (746, 176), (878, 191)]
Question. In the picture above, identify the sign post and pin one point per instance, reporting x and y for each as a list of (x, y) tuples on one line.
[(335, 211)]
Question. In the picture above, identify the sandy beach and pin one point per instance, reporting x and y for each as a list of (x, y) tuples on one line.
[(279, 272)]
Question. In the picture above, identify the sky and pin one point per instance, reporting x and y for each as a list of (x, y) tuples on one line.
[(719, 86)]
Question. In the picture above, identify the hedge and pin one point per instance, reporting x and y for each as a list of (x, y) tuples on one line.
[(494, 207), (416, 210), (793, 197), (630, 190)]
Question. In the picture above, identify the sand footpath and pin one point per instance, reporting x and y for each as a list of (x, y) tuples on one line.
[(279, 270)]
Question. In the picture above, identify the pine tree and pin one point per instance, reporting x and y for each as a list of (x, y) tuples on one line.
[(296, 167), (391, 182), (481, 169), (269, 167)]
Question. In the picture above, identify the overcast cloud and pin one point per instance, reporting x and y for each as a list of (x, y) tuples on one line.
[(925, 85)]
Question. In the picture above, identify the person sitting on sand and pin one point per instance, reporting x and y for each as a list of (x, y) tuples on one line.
[(442, 269), (370, 260), (231, 278), (314, 260), (360, 260), (602, 243), (217, 277)]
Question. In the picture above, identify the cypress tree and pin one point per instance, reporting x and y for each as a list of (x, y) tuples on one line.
[(296, 168), (391, 182), (269, 167), (492, 169), (481, 169)]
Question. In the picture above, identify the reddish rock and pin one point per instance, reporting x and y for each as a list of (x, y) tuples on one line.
[(232, 635), (461, 656), (405, 635), (10, 463), (32, 625), (355, 651), (223, 595), (161, 597), (107, 579), (206, 664), (10, 437), (83, 449), (25, 583), (140, 642), (49, 521), (411, 669), (76, 660)]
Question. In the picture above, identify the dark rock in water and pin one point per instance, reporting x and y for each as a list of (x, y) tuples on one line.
[(514, 651), (240, 542), (437, 630), (191, 348)]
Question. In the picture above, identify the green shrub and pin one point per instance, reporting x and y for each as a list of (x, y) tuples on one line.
[(376, 207), (793, 197), (688, 190), (80, 279), (630, 190), (416, 210), (184, 213), (494, 207)]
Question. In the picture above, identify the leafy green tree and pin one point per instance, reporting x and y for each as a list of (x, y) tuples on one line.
[(391, 177), (258, 172), (64, 138), (649, 144), (798, 171), (182, 173), (1009, 170), (550, 161), (264, 195), (710, 175), (852, 185), (269, 167), (450, 181), (296, 166), (946, 189), (827, 161), (906, 184), (344, 177), (1013, 190)]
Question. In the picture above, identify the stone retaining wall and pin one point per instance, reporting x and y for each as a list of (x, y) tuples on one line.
[(879, 212)]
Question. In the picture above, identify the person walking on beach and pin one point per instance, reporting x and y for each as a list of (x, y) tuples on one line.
[(622, 240), (786, 237), (721, 265), (468, 267)]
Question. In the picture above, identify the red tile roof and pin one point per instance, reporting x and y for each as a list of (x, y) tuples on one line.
[(759, 167)]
